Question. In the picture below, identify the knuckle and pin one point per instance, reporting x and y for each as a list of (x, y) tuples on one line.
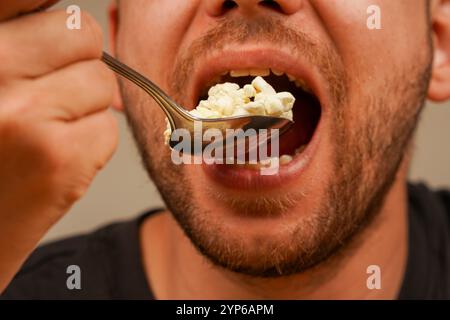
[(105, 80), (109, 122), (99, 69), (9, 49), (72, 195), (19, 100), (112, 127), (6, 59), (55, 155), (63, 170), (9, 127), (112, 140), (34, 144), (94, 35), (109, 82), (66, 190), (69, 179), (14, 113)]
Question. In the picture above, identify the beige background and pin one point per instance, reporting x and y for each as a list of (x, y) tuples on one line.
[(123, 189)]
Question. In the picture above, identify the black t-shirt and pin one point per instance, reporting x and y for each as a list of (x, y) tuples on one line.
[(111, 266)]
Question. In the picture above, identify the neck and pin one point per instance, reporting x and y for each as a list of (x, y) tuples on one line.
[(176, 270)]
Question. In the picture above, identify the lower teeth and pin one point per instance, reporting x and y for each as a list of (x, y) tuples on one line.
[(283, 160)]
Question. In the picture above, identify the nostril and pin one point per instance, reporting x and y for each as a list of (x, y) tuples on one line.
[(228, 5), (271, 4)]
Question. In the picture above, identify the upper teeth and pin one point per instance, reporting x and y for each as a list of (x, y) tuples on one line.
[(239, 73), (299, 83)]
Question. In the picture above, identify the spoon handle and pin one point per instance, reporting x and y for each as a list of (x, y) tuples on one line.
[(147, 85)]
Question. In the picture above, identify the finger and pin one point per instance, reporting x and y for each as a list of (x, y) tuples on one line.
[(96, 139), (75, 91), (36, 44), (10, 9)]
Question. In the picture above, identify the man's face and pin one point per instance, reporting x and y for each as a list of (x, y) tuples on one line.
[(368, 87)]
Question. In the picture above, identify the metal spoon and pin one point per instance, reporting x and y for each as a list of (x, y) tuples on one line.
[(180, 118)]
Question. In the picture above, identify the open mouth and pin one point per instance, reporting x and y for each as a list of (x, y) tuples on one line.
[(306, 111)]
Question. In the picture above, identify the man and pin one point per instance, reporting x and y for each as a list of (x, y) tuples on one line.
[(338, 221)]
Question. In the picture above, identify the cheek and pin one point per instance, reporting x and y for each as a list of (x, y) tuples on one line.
[(147, 119), (151, 34), (154, 121), (403, 32)]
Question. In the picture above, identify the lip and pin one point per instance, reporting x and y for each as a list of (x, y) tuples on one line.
[(250, 179), (254, 57)]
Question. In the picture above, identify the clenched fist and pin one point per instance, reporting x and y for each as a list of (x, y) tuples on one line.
[(56, 131)]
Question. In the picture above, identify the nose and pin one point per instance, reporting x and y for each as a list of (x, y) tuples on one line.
[(217, 8)]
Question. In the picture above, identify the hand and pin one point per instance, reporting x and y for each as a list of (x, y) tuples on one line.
[(56, 131)]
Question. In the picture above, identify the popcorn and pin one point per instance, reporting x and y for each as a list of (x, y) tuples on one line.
[(249, 91), (255, 107), (287, 100), (229, 100), (262, 86), (273, 106)]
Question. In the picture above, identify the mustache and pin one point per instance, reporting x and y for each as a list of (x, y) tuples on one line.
[(267, 29)]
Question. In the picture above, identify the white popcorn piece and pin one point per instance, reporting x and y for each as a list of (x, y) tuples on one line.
[(204, 104), (224, 105), (167, 132), (223, 89), (249, 91), (243, 98), (256, 107), (228, 111), (240, 113), (287, 99), (206, 113), (262, 86), (274, 107), (260, 97), (289, 115)]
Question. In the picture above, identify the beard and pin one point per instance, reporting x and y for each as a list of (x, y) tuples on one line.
[(368, 148)]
